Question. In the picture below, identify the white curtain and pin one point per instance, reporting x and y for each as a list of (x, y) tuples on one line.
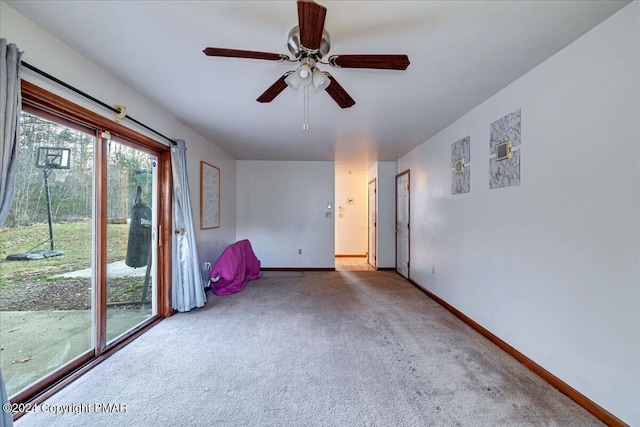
[(9, 122), (188, 286), (9, 136)]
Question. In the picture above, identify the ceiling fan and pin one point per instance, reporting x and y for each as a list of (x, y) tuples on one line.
[(309, 42)]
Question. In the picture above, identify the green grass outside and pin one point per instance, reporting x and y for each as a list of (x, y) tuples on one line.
[(73, 238)]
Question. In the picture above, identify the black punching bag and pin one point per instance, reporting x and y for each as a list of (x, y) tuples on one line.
[(139, 233)]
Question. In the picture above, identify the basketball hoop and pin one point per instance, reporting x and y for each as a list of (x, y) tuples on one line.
[(53, 158), (48, 159)]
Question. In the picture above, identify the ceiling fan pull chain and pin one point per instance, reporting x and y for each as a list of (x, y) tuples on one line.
[(305, 126)]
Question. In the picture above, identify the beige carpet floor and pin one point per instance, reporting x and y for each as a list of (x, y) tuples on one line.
[(312, 349)]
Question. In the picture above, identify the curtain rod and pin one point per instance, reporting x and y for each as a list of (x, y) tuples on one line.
[(97, 101)]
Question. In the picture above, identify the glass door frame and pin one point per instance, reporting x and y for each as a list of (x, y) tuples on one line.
[(45, 104)]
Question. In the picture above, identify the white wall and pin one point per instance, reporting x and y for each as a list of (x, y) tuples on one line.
[(385, 175), (281, 208), (351, 221), (47, 53), (550, 266), (212, 242)]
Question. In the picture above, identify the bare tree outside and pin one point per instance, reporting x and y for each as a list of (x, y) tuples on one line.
[(54, 294)]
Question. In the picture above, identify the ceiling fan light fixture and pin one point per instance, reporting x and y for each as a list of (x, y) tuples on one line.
[(303, 76), (293, 81), (304, 72), (320, 80)]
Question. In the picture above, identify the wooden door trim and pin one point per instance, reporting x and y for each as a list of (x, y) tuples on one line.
[(375, 219), (100, 276), (43, 100)]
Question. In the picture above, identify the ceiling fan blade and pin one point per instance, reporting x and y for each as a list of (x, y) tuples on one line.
[(274, 90), (338, 94), (311, 22), (249, 54), (382, 62)]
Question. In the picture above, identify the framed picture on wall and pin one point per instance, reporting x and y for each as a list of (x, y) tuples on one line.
[(209, 196)]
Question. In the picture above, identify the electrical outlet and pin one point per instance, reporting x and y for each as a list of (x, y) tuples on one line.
[(299, 251), (207, 265), (327, 214)]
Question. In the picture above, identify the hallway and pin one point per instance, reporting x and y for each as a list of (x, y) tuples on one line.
[(353, 264)]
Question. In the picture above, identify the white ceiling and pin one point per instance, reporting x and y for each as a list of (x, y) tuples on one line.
[(461, 53)]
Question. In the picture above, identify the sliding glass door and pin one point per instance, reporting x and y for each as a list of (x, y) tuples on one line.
[(84, 264), (131, 220)]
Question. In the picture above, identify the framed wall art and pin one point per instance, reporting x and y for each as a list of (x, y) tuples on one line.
[(209, 196), (504, 151), (461, 169)]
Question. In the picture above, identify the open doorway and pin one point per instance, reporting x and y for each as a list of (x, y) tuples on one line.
[(351, 204)]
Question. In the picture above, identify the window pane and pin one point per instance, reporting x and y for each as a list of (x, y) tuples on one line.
[(130, 254), (46, 254)]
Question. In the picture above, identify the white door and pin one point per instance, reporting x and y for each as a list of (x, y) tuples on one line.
[(402, 223), (372, 224)]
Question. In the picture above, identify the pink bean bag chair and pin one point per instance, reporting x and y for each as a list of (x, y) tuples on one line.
[(235, 267)]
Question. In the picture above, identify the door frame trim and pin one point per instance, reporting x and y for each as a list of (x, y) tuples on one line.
[(375, 227)]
